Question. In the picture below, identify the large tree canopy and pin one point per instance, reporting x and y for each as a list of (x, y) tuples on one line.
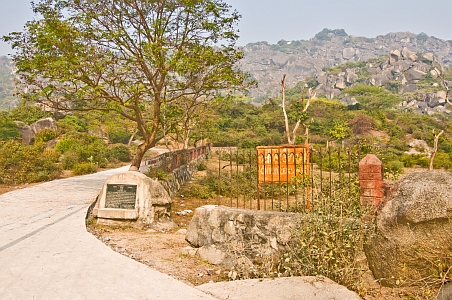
[(152, 61)]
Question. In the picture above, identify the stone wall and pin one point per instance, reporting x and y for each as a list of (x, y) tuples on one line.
[(239, 238), (180, 175)]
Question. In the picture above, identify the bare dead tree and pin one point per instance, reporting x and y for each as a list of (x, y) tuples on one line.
[(435, 148), (292, 134), (442, 76)]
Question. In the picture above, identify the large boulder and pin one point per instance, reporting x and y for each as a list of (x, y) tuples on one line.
[(26, 132), (236, 238), (133, 199), (412, 240), (43, 124), (348, 53)]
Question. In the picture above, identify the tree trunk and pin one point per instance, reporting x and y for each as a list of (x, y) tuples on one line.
[(435, 148), (141, 150)]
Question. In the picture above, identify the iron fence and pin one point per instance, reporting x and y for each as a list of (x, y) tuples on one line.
[(289, 179)]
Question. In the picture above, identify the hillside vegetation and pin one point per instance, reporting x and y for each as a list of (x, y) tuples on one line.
[(7, 98)]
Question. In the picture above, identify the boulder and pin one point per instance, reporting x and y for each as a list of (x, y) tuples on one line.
[(372, 70), (407, 54), (394, 56), (236, 238), (340, 83), (47, 123), (428, 56), (26, 132), (350, 76), (322, 78), (348, 100), (409, 88), (436, 101), (413, 230), (348, 53), (414, 75)]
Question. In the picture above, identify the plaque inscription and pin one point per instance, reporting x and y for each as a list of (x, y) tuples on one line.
[(121, 196)]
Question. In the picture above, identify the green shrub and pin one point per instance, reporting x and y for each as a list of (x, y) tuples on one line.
[(69, 160), (21, 163), (202, 167), (8, 129), (84, 168), (28, 114), (442, 160), (65, 144), (73, 122), (118, 135), (393, 169), (411, 160), (45, 135), (120, 152), (329, 247)]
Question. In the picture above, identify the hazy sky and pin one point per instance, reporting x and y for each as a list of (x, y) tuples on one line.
[(273, 20)]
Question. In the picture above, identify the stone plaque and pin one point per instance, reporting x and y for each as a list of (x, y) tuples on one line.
[(121, 196)]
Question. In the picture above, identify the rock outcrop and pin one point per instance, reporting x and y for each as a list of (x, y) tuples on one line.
[(28, 132), (412, 240), (300, 59)]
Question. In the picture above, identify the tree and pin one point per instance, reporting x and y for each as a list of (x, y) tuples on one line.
[(135, 57), (298, 113)]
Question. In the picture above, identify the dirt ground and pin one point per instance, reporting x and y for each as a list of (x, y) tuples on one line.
[(163, 250)]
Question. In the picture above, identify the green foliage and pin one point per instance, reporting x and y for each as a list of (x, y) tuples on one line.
[(87, 148), (72, 122), (442, 161), (28, 114), (65, 144), (70, 50), (201, 167), (412, 160), (8, 129), (340, 130), (372, 97), (327, 246), (69, 159), (120, 152), (118, 134), (45, 135), (325, 34), (21, 163), (341, 68), (84, 168)]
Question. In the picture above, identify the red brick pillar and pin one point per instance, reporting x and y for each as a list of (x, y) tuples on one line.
[(371, 181)]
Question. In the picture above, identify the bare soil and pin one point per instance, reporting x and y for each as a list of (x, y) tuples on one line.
[(162, 250)]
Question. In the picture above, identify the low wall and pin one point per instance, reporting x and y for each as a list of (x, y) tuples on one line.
[(239, 238), (181, 175)]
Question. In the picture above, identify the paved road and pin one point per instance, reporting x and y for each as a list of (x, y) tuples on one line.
[(46, 252)]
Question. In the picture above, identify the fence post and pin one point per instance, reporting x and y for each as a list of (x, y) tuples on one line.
[(371, 181)]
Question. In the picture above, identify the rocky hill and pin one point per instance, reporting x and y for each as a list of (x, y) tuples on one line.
[(417, 78), (300, 59), (7, 98)]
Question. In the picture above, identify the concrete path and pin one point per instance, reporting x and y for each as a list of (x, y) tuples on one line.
[(46, 252)]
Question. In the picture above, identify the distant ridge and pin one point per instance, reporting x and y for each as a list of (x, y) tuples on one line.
[(302, 58)]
